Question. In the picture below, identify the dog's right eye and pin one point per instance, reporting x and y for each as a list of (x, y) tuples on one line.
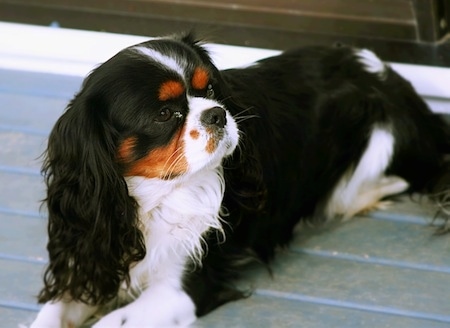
[(164, 115)]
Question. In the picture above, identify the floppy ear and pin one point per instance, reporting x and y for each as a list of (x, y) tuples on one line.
[(93, 229)]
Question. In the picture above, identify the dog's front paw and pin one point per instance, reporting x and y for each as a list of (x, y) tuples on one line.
[(117, 318), (51, 316), (50, 323), (160, 306), (132, 318)]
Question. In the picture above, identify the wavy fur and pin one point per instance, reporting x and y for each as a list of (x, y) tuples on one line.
[(88, 204)]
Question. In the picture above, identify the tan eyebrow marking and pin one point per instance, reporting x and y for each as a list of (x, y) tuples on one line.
[(170, 90), (200, 78)]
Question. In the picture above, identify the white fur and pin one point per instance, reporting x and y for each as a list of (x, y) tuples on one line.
[(169, 62), (174, 216), (158, 306), (372, 63), (195, 152), (363, 187)]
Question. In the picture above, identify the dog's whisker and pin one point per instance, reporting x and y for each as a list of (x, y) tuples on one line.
[(240, 119), (172, 162), (242, 112)]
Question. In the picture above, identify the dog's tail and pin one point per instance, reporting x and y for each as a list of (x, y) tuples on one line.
[(438, 188), (439, 193)]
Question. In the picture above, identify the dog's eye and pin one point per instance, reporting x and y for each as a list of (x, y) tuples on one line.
[(164, 115), (210, 91)]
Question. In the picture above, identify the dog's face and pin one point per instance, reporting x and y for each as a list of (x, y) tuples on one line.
[(163, 100)]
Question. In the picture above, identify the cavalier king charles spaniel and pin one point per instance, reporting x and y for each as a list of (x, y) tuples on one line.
[(166, 176)]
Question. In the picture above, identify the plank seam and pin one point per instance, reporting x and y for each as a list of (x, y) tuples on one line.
[(19, 170), (402, 218), (19, 258), (353, 306), (372, 260), (5, 210), (20, 306)]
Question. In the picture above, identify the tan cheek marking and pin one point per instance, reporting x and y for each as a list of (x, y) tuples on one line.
[(126, 149), (194, 134), (164, 162), (200, 78), (170, 90)]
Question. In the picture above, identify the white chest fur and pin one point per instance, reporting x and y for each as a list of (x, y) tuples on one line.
[(174, 215)]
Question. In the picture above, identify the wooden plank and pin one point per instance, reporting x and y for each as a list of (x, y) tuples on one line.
[(19, 282), (263, 311), (33, 114), (349, 284), (21, 150), (44, 85), (416, 209), (16, 318), (29, 190), (23, 238), (410, 245)]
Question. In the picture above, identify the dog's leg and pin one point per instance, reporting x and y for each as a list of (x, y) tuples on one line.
[(370, 195), (158, 306), (362, 188), (61, 314)]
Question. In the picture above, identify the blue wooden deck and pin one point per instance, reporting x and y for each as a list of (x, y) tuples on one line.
[(385, 269)]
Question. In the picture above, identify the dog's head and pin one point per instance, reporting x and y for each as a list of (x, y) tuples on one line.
[(154, 110), (162, 100)]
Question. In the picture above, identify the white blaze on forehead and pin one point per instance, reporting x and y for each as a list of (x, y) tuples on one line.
[(166, 61)]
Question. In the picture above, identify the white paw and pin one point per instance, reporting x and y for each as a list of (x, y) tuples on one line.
[(130, 318), (116, 318), (160, 307), (51, 323)]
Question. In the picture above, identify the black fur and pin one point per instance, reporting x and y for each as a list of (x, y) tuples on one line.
[(311, 110)]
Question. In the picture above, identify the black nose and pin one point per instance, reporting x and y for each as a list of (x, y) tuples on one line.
[(215, 116)]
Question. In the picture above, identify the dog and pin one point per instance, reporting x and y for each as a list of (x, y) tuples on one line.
[(166, 177)]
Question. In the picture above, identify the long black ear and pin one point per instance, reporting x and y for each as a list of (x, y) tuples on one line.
[(93, 229)]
